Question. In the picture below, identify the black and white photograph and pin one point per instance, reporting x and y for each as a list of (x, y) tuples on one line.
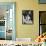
[(27, 17)]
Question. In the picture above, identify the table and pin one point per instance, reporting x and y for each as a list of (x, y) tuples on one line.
[(16, 43)]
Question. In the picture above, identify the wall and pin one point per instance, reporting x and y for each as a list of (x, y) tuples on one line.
[(28, 31)]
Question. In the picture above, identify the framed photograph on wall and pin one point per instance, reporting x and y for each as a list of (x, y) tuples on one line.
[(27, 16), (42, 1)]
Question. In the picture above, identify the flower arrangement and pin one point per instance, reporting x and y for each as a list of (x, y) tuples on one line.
[(41, 38)]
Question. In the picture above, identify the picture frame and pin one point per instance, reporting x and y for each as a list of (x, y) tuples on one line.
[(27, 16), (42, 1)]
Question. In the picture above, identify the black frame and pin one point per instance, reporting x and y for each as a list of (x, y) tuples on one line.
[(41, 2), (31, 15), (39, 20)]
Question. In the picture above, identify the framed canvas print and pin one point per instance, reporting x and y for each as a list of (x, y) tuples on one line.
[(42, 22), (27, 17), (42, 1), (7, 20)]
